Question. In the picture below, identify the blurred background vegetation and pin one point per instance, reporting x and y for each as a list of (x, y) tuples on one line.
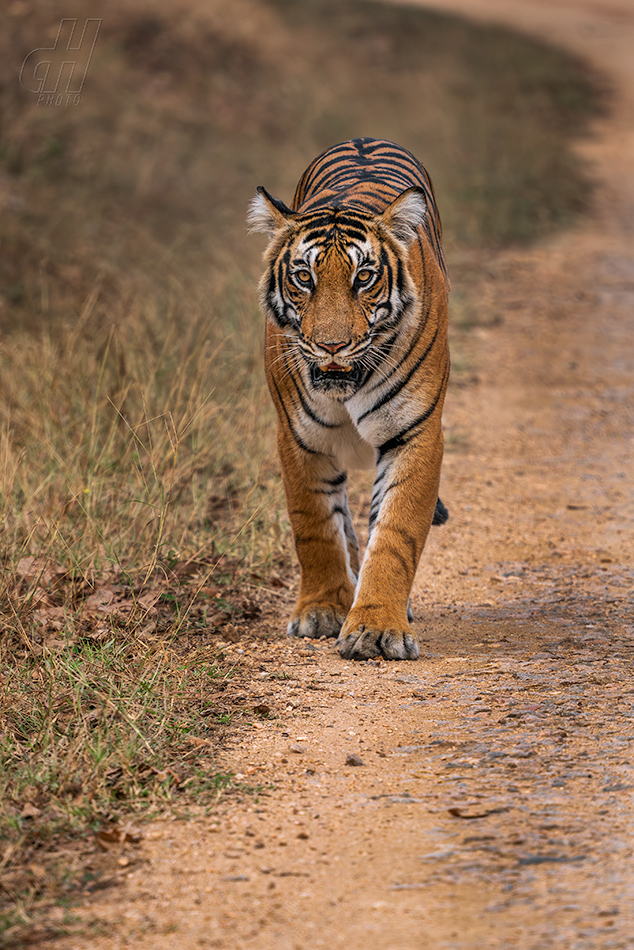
[(136, 435)]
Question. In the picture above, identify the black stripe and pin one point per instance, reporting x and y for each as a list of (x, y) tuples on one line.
[(339, 218), (362, 202), (314, 539), (310, 512), (300, 442), (314, 234), (401, 439), (313, 174), (305, 406), (340, 479), (276, 282), (324, 491), (336, 230), (384, 347), (396, 554), (396, 484), (410, 541)]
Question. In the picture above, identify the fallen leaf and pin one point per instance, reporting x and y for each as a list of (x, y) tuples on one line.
[(100, 600), (41, 570), (149, 599)]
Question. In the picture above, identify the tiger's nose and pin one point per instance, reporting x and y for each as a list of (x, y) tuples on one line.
[(334, 347)]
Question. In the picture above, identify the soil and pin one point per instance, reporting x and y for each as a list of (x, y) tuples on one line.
[(480, 797)]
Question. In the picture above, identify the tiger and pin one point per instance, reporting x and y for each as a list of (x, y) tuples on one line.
[(355, 296)]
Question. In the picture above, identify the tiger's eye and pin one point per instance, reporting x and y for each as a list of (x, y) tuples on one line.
[(304, 276), (364, 277)]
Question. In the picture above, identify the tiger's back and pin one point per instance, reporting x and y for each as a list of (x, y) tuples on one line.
[(355, 294)]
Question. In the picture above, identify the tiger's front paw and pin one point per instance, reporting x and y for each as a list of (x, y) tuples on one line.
[(362, 643), (317, 622)]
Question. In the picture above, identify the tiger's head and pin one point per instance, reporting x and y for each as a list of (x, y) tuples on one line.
[(338, 285)]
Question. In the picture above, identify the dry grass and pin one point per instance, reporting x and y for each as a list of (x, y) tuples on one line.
[(140, 489)]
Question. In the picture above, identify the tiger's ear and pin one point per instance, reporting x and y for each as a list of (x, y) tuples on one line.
[(268, 214), (405, 215)]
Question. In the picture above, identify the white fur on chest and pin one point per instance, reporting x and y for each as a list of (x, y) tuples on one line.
[(340, 439)]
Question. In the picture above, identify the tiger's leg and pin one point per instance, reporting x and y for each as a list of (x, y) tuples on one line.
[(324, 538), (404, 500)]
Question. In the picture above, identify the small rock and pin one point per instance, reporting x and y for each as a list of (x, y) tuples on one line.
[(297, 749), (353, 759)]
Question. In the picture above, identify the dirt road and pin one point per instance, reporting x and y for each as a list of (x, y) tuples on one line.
[(493, 806)]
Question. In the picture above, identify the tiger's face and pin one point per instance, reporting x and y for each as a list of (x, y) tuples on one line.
[(338, 286)]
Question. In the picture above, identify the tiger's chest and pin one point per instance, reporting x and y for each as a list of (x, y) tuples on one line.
[(326, 426), (344, 430)]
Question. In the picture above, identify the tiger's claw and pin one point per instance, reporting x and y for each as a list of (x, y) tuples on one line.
[(317, 623), (365, 643)]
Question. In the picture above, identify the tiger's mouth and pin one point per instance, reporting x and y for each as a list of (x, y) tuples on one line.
[(335, 368), (334, 376)]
